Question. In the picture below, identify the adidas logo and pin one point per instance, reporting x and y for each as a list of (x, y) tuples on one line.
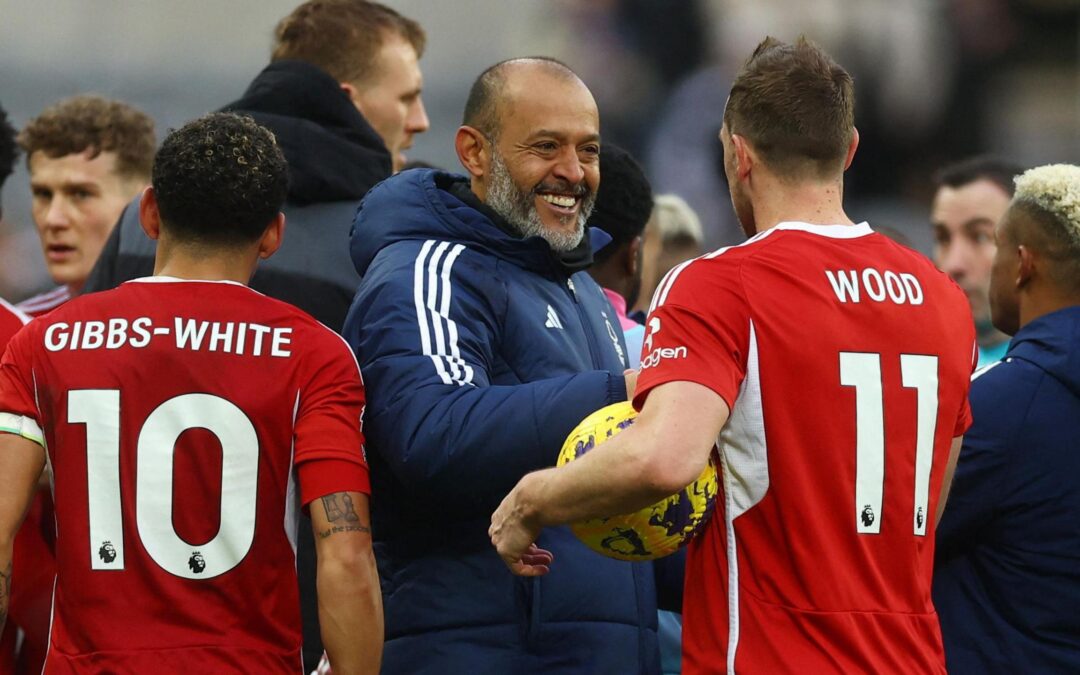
[(553, 319)]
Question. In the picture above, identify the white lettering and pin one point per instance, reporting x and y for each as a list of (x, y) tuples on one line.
[(141, 327), (117, 334), (259, 332), (54, 342), (876, 294), (189, 332), (900, 287), (241, 332), (914, 290), (661, 353), (280, 341), (844, 284), (93, 335), (895, 288), (221, 340)]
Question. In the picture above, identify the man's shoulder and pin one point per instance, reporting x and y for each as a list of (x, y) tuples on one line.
[(1001, 395), (44, 303)]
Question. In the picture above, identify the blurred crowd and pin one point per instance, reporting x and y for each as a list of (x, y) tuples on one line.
[(938, 81)]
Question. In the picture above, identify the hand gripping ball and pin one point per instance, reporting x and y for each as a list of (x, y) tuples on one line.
[(655, 531)]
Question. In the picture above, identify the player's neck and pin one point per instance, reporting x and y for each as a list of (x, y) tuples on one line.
[(196, 267), (807, 202), (1045, 301)]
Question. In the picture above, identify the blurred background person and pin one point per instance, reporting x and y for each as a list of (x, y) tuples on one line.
[(673, 235), (971, 197), (13, 658), (88, 156), (1006, 580), (623, 205), (342, 95)]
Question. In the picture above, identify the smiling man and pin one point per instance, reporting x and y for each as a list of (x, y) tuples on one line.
[(88, 157), (483, 343)]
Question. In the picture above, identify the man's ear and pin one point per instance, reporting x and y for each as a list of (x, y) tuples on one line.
[(473, 151), (149, 216), (353, 93), (852, 147), (1026, 265), (272, 237), (745, 157), (632, 259)]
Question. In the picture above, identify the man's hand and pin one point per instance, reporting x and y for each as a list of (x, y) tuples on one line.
[(631, 382), (514, 536)]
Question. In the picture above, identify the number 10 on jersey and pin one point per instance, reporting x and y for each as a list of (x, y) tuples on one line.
[(863, 372), (99, 410)]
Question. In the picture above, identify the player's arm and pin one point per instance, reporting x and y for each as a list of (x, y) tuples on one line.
[(950, 471), (435, 418), (350, 601), (664, 451), (21, 462)]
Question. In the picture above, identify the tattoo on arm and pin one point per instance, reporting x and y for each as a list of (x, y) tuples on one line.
[(342, 515)]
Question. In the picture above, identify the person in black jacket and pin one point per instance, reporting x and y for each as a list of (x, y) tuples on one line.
[(342, 94)]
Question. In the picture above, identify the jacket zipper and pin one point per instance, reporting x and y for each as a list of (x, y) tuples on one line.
[(594, 350)]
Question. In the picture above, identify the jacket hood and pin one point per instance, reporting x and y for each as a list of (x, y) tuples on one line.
[(422, 204), (1052, 342), (333, 153)]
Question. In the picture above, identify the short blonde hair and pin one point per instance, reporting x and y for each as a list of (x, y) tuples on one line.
[(1054, 189), (673, 220)]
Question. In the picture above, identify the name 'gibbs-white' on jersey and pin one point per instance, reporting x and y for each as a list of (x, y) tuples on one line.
[(185, 423), (845, 360)]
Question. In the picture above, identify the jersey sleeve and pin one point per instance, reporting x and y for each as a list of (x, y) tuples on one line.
[(329, 450), (964, 419), (697, 330), (18, 408)]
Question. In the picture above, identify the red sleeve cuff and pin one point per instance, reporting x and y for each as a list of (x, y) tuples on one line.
[(321, 477)]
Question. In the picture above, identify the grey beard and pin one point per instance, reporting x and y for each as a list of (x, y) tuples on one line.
[(518, 210)]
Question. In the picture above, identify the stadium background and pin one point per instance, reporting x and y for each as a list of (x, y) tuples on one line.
[(937, 80)]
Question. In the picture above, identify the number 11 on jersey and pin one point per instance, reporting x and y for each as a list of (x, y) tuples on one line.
[(862, 371)]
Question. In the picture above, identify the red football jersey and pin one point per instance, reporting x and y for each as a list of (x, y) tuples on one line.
[(11, 320), (845, 360), (185, 424)]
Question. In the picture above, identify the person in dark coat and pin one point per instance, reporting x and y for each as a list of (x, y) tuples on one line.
[(342, 95), (1007, 574), (483, 343)]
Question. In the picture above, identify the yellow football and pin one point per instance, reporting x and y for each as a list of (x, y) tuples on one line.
[(652, 532)]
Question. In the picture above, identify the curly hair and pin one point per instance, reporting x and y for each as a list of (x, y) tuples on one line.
[(88, 122), (8, 149), (220, 179), (343, 37)]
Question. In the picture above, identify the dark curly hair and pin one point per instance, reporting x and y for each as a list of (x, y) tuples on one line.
[(220, 179), (97, 124), (8, 149)]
